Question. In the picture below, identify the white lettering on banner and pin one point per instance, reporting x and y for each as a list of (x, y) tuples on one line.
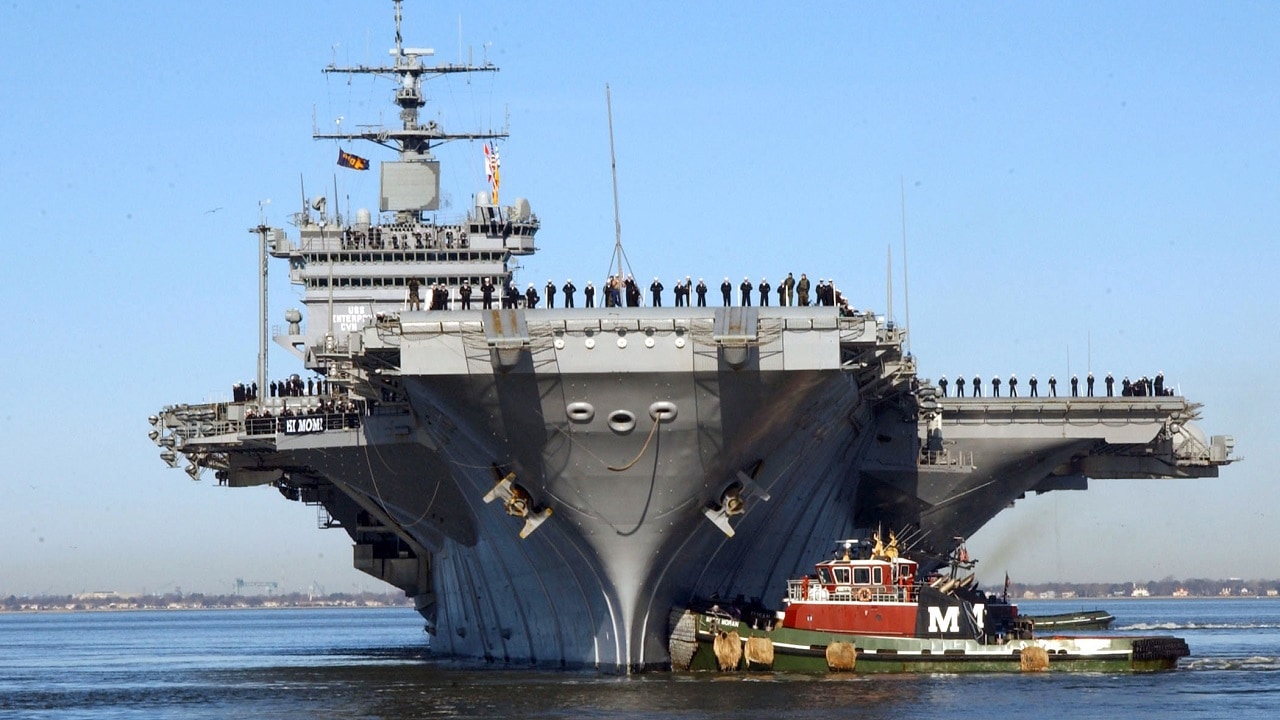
[(944, 622), (297, 426), (980, 617), (353, 320)]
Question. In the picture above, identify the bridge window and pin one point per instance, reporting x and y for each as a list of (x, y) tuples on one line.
[(877, 575), (842, 575), (862, 576)]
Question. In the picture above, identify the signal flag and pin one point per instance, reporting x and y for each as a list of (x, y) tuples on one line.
[(355, 162)]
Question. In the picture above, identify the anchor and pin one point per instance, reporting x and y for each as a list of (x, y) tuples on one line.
[(517, 502), (733, 501)]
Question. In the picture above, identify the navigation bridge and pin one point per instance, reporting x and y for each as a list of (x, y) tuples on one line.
[(980, 454)]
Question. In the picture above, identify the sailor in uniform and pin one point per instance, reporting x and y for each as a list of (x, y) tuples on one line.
[(569, 290), (415, 302), (633, 292)]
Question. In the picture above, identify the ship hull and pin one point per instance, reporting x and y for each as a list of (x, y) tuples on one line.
[(547, 486), (629, 537)]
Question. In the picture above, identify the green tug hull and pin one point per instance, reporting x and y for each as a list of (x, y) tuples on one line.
[(1083, 620), (694, 635)]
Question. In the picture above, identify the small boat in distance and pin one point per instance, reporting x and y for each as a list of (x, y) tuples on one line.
[(867, 610), (1082, 620)]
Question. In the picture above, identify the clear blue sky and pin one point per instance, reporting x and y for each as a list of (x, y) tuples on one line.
[(1088, 184)]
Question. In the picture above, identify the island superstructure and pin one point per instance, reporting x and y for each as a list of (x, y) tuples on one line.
[(549, 484)]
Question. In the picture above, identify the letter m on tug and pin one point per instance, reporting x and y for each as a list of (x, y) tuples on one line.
[(944, 621)]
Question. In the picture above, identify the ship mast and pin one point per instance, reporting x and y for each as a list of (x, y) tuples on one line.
[(262, 230), (618, 253), (413, 140)]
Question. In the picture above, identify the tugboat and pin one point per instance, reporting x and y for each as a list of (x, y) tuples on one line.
[(868, 611)]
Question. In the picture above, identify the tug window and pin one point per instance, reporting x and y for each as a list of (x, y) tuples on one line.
[(862, 576), (842, 575), (879, 576)]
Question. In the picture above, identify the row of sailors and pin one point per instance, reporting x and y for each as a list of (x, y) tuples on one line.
[(427, 239), (292, 386), (1143, 387), (262, 421), (334, 406), (620, 291)]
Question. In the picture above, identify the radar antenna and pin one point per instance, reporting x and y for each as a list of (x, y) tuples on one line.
[(906, 288), (412, 140)]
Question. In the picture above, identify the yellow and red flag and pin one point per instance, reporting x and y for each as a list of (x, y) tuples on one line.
[(491, 172)]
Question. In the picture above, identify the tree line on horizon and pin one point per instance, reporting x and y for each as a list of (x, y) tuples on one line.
[(1168, 587), (88, 601)]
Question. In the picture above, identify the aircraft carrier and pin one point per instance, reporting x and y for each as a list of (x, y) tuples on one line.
[(548, 484)]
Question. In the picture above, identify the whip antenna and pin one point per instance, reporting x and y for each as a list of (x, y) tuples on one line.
[(618, 253)]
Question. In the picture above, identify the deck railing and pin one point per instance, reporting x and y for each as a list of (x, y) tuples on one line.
[(817, 592)]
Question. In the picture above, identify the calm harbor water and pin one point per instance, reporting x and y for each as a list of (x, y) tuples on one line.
[(374, 663)]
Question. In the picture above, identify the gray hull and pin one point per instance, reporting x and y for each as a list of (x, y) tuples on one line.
[(594, 583), (664, 456)]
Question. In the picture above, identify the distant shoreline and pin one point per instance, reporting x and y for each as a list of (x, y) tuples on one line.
[(113, 602), (190, 608)]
